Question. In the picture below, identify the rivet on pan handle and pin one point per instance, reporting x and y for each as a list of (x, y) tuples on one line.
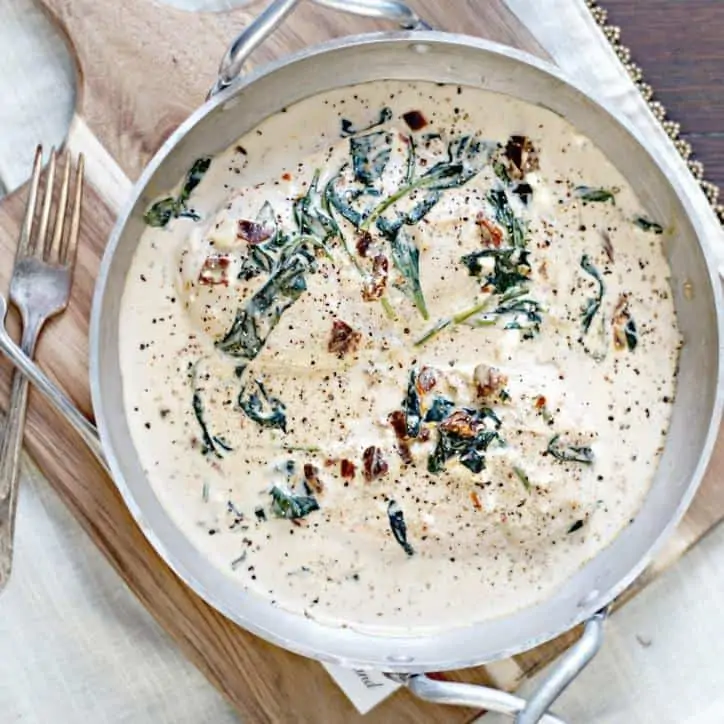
[(536, 708), (274, 14)]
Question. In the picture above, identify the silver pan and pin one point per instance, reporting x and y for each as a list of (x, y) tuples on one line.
[(236, 104)]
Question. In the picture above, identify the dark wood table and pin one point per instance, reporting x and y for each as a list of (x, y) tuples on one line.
[(679, 44)]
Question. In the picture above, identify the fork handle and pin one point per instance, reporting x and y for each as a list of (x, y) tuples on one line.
[(10, 447)]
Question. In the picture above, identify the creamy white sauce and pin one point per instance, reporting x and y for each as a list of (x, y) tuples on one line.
[(485, 543)]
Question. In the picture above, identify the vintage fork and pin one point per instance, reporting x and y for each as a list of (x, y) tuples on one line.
[(40, 289)]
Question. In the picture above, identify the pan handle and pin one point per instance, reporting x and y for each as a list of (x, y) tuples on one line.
[(535, 709), (274, 14)]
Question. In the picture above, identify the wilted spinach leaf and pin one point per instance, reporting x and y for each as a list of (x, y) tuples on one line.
[(514, 227), (647, 225), (263, 257), (466, 157), (465, 433), (525, 313), (286, 504), (441, 407), (161, 212), (255, 321), (632, 337), (500, 170), (341, 199), (411, 406), (398, 526), (406, 258), (569, 453), (210, 443), (511, 267), (370, 155), (266, 411), (311, 213), (390, 227), (593, 195), (348, 128), (193, 178)]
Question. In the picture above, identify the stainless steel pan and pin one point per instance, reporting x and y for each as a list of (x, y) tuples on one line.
[(236, 104)]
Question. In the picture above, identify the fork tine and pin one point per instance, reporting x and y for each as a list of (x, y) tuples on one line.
[(53, 252), (39, 246), (24, 243), (72, 245)]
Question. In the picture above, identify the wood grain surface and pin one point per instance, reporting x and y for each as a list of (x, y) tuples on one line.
[(679, 44), (142, 68)]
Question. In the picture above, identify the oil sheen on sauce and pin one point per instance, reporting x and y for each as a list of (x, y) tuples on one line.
[(401, 358)]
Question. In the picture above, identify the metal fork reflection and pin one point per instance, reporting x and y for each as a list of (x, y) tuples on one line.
[(40, 289)]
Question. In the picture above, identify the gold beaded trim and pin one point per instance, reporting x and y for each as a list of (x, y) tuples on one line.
[(672, 128)]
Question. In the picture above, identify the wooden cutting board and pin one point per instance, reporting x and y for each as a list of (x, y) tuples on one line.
[(142, 68)]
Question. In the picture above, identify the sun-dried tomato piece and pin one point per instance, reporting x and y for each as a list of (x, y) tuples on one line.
[(375, 465), (426, 380), (624, 330), (403, 449), (215, 270), (522, 156), (347, 469), (363, 242), (488, 381), (253, 232), (491, 235), (399, 423), (460, 423), (414, 120), (343, 339), (311, 475), (476, 501), (540, 402), (374, 288)]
